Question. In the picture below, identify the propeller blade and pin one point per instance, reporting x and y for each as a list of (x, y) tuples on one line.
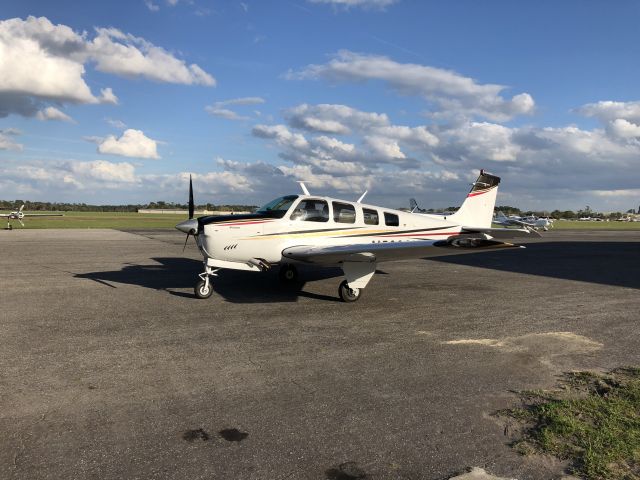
[(191, 205), (185, 242)]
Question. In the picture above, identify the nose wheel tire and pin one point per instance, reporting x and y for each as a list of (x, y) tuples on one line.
[(348, 294), (288, 274), (203, 289)]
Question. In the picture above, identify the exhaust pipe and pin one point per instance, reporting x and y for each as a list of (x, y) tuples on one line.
[(263, 265)]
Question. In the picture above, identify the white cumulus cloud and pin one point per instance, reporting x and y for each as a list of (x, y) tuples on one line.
[(450, 91), (43, 63), (621, 119), (127, 55), (608, 110), (52, 113), (7, 141), (54, 176), (624, 129), (132, 143)]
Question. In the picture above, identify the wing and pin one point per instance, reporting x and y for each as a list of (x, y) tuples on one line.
[(5, 215), (513, 221), (382, 252)]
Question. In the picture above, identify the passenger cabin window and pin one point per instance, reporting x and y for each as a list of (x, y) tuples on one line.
[(391, 219), (344, 213), (311, 210), (370, 216)]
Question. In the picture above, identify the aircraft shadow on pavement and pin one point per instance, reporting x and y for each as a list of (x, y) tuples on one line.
[(175, 274), (167, 273), (608, 263), (249, 287)]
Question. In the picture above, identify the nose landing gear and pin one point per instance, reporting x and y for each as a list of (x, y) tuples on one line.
[(204, 288)]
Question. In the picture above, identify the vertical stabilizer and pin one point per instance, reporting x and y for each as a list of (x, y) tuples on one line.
[(477, 209)]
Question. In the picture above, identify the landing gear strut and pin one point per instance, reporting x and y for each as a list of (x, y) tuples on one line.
[(348, 294), (288, 273), (204, 288)]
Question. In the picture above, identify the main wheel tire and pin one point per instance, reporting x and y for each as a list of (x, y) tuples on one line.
[(348, 294), (288, 274), (203, 289)]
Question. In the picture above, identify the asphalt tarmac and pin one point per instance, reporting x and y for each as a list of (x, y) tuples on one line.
[(111, 369)]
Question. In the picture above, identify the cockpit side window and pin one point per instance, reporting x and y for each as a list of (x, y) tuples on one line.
[(311, 210), (344, 213)]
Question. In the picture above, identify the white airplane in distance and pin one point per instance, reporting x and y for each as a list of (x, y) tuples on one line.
[(527, 222), (317, 230), (19, 215)]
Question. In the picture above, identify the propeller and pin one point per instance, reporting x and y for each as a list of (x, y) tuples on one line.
[(191, 205), (190, 226)]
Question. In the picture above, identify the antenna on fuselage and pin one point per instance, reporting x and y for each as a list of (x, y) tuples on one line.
[(303, 187), (362, 196)]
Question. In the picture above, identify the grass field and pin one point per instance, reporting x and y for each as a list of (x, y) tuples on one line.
[(102, 220), (576, 225), (126, 221)]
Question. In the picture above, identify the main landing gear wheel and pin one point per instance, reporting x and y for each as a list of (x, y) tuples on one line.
[(348, 294), (288, 274), (203, 289)]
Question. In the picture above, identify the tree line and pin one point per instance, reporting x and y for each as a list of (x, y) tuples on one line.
[(85, 207)]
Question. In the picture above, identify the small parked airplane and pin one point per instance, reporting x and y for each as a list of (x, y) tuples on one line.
[(316, 230), (19, 215), (527, 222)]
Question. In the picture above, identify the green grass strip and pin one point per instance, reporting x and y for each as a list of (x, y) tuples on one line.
[(593, 421)]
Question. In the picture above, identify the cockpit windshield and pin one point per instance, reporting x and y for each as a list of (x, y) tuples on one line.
[(278, 207)]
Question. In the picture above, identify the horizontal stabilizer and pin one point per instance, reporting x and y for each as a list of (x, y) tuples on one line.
[(503, 233)]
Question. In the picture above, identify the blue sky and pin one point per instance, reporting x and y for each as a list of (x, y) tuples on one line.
[(117, 102)]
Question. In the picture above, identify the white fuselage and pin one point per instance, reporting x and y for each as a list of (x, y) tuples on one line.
[(228, 242)]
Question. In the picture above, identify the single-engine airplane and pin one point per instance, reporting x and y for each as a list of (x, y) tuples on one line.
[(316, 230), (527, 222), (19, 215)]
